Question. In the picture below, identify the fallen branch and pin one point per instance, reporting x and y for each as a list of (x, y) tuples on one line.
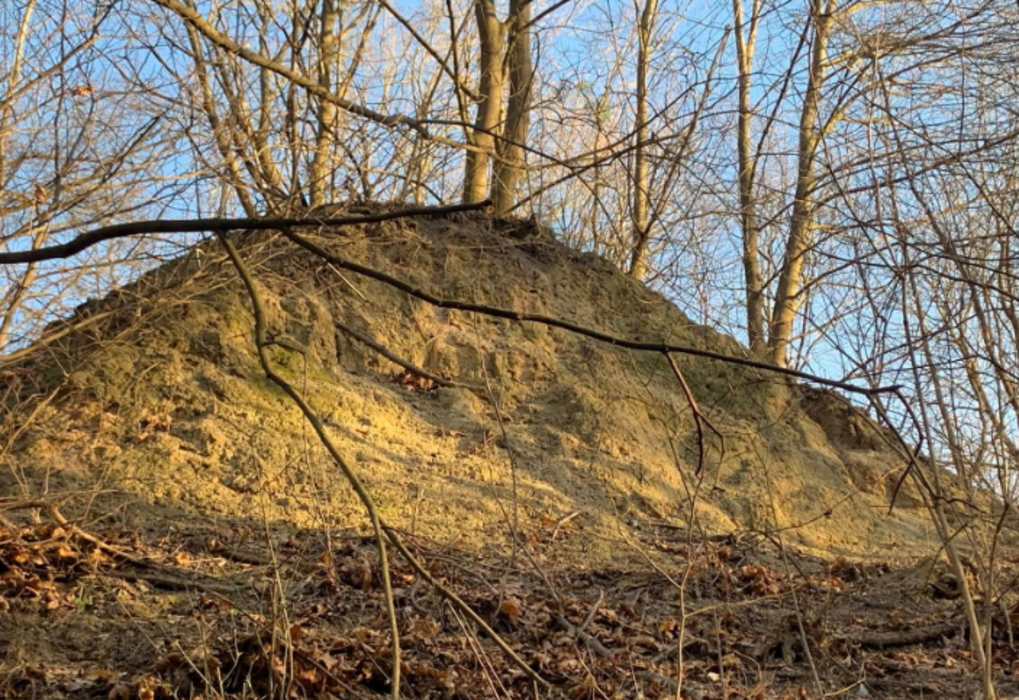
[(216, 225), (700, 420), (149, 571), (907, 637), (241, 556), (380, 529), (590, 640), (589, 618), (672, 650), (565, 520), (463, 607), (77, 532), (669, 684), (261, 343), (170, 582), (553, 322), (221, 225)]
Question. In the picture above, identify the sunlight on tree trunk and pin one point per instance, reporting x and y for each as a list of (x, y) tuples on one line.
[(790, 280), (489, 110), (509, 169), (745, 44), (329, 48)]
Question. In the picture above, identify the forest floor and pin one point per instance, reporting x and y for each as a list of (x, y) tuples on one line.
[(235, 613)]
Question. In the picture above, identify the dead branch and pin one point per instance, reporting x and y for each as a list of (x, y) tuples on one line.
[(220, 225), (261, 343), (563, 521), (169, 582), (700, 420), (406, 364), (217, 225), (381, 530), (589, 639), (463, 607), (554, 322), (907, 637), (195, 19)]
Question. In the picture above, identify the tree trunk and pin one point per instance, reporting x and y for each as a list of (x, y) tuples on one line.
[(790, 281), (510, 167), (641, 224), (745, 44), (486, 123), (325, 136)]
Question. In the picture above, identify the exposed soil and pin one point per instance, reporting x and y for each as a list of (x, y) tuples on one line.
[(554, 469)]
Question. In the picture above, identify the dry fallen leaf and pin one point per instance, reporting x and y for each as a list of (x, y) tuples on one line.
[(65, 553), (510, 609)]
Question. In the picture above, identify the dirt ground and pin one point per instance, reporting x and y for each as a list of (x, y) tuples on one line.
[(212, 549), (243, 614)]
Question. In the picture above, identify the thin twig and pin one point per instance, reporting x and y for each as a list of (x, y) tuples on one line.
[(261, 343), (463, 607), (699, 418)]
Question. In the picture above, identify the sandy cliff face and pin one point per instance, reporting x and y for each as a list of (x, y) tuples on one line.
[(160, 406)]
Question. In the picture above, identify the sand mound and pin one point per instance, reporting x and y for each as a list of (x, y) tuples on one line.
[(158, 405)]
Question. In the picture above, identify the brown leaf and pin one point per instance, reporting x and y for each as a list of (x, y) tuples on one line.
[(510, 609), (65, 553), (585, 689), (668, 626), (309, 677), (96, 556)]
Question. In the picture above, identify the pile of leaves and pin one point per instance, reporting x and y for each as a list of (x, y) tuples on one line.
[(38, 562)]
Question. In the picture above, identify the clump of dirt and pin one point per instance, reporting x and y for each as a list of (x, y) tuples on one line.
[(152, 402)]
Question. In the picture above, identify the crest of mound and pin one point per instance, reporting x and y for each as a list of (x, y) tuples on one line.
[(152, 401)]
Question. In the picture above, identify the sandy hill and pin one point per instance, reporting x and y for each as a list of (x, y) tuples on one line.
[(154, 406)]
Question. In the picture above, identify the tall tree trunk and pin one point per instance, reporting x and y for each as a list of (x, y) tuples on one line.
[(271, 175), (510, 167), (790, 281), (486, 123), (641, 224), (328, 51), (745, 44)]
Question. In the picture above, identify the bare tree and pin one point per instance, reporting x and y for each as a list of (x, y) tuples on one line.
[(75, 149)]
